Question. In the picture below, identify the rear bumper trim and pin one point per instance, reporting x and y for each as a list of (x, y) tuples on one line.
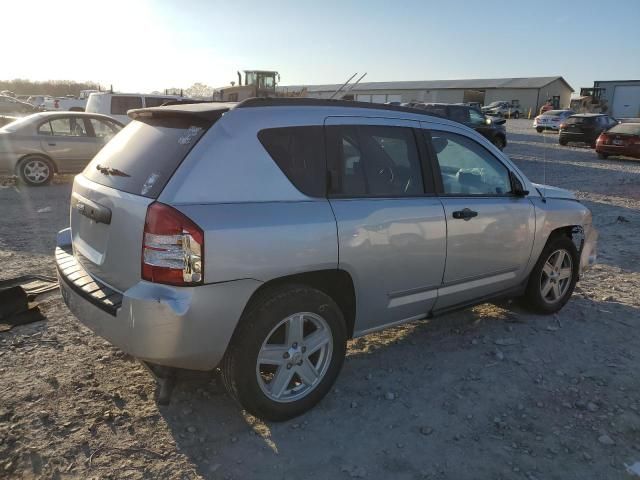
[(77, 279)]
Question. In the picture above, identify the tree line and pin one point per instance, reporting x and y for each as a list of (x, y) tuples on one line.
[(55, 88)]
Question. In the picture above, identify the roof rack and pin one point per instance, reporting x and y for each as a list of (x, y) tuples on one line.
[(322, 102)]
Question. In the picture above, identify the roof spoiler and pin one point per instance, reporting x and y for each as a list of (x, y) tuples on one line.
[(208, 112)]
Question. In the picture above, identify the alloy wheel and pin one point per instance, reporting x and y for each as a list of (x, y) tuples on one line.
[(36, 171), (556, 276), (294, 357)]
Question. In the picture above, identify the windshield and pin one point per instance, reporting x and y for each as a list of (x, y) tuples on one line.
[(626, 128), (494, 104)]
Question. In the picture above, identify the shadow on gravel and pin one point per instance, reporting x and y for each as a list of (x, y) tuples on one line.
[(415, 401)]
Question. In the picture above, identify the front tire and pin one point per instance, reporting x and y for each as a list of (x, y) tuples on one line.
[(286, 352), (36, 171), (563, 141), (516, 115), (539, 129), (554, 276)]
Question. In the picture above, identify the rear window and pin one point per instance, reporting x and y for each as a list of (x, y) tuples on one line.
[(299, 152), (156, 101), (580, 120), (120, 104), (626, 128), (555, 113), (144, 155)]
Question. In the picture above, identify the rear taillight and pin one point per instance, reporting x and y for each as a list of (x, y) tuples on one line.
[(603, 138), (563, 125), (172, 247)]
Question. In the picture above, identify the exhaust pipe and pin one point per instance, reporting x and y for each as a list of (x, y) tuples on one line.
[(239, 79)]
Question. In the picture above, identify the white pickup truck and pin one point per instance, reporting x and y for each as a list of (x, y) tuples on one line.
[(71, 103)]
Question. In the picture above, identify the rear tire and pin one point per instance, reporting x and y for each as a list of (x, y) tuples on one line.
[(36, 171), (562, 141), (554, 276), (603, 156), (284, 326), (516, 115)]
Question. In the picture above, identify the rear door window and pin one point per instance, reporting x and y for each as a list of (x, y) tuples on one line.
[(144, 155), (104, 128), (121, 104), (373, 160), (299, 152)]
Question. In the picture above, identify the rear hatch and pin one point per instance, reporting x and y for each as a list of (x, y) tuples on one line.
[(110, 198), (580, 124)]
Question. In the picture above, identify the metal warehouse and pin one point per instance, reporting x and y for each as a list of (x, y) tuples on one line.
[(530, 92), (621, 96)]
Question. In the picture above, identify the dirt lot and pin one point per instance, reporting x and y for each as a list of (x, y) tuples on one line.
[(488, 393)]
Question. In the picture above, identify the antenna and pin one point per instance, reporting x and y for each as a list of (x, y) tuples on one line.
[(343, 85), (351, 87)]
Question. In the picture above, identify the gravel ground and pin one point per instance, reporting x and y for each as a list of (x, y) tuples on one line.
[(492, 392)]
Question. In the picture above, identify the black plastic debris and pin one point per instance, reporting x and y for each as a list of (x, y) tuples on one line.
[(15, 295)]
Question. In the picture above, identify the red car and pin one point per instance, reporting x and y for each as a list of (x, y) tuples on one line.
[(622, 139)]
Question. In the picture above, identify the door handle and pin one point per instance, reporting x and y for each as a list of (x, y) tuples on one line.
[(464, 214), (51, 144)]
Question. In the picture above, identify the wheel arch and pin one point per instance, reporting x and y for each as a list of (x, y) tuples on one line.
[(336, 283), (573, 232), (30, 155)]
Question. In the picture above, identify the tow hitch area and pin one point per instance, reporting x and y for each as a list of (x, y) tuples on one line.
[(165, 381)]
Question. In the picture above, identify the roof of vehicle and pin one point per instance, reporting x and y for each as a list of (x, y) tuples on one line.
[(201, 109), (552, 112), (588, 115), (320, 102), (44, 115)]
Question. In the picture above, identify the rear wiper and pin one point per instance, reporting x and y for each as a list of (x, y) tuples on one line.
[(111, 171)]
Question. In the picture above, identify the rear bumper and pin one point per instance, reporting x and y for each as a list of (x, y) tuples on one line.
[(184, 327), (627, 151), (578, 137), (546, 126)]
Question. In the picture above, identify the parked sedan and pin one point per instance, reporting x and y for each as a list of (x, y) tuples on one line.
[(622, 139), (585, 128), (551, 120), (37, 146)]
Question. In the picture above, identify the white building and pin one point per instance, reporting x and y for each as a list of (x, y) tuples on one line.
[(531, 92)]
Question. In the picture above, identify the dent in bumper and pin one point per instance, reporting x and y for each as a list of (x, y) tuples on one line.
[(184, 327)]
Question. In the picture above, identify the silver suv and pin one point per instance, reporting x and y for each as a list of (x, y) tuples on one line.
[(260, 236)]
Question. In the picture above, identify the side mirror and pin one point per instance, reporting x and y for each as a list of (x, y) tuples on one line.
[(516, 186)]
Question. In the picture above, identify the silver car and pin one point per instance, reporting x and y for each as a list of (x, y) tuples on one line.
[(258, 237), (36, 147)]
